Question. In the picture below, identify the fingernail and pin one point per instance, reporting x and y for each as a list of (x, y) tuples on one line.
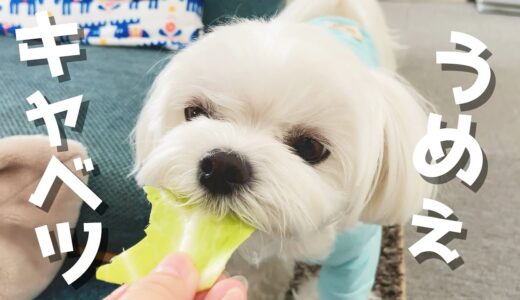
[(177, 265), (234, 294), (242, 279)]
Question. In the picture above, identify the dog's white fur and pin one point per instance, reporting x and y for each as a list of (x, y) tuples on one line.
[(265, 77)]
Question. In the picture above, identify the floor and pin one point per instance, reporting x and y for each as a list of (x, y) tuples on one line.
[(490, 251)]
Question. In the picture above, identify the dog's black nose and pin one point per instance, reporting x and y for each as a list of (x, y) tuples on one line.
[(221, 171)]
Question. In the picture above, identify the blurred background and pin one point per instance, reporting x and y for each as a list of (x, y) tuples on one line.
[(490, 251)]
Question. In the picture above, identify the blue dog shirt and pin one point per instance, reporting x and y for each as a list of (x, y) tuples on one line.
[(348, 273), (352, 35)]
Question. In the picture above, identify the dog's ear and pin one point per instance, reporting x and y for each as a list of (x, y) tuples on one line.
[(398, 189), (148, 129)]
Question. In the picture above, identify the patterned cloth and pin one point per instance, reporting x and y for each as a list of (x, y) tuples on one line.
[(158, 23)]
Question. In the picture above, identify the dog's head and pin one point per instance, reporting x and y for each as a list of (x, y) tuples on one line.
[(284, 126)]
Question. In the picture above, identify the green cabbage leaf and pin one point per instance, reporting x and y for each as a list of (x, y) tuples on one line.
[(178, 227)]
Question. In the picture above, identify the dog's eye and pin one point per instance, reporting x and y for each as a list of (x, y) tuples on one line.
[(310, 149), (192, 112)]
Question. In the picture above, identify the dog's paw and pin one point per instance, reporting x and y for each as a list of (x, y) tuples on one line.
[(308, 290)]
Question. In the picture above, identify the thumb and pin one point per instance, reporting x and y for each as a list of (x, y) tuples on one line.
[(174, 278)]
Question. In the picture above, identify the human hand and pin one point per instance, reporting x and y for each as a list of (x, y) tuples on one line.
[(177, 279)]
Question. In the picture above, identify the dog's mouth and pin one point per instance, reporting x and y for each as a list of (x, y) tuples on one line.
[(242, 204), (256, 187)]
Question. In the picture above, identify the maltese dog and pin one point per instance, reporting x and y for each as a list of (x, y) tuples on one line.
[(296, 127)]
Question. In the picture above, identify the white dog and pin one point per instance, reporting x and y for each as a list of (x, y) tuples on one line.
[(280, 123)]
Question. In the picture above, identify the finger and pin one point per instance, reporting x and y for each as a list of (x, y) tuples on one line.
[(234, 288), (222, 277), (174, 278), (117, 293), (202, 295)]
